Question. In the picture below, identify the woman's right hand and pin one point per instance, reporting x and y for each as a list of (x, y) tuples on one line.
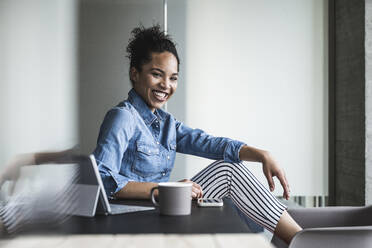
[(197, 191), (12, 169)]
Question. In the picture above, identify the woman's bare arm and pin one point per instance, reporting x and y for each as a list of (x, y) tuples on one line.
[(13, 167), (142, 190), (136, 190)]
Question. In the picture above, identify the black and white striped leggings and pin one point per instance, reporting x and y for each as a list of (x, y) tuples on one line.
[(222, 179)]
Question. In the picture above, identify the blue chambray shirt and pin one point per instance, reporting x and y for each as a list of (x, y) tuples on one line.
[(135, 144)]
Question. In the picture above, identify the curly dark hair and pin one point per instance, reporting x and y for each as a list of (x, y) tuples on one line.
[(145, 41)]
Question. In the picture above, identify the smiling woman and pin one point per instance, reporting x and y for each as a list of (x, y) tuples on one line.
[(138, 141)]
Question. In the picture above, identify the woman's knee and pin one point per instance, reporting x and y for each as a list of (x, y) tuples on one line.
[(222, 164)]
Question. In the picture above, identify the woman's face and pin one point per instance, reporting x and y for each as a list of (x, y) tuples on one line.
[(157, 81)]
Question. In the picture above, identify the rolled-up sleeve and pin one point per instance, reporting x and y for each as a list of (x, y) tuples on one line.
[(116, 130), (197, 142)]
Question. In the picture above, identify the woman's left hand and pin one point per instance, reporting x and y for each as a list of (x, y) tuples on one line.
[(197, 191), (271, 169)]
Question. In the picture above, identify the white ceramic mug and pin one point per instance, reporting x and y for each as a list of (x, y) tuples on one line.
[(174, 198)]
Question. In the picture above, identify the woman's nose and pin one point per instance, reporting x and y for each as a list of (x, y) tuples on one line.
[(165, 83)]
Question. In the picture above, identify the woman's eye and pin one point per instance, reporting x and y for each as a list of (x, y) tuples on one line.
[(174, 79), (156, 74)]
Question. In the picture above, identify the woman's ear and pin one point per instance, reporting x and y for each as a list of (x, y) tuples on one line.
[(134, 74)]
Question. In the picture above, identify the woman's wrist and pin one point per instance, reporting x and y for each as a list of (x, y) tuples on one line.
[(265, 156), (252, 154)]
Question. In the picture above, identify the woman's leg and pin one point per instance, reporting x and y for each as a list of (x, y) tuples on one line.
[(287, 227), (222, 179)]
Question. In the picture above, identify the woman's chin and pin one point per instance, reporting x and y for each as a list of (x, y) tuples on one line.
[(158, 104)]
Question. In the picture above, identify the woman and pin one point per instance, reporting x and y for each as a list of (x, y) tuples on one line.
[(138, 142)]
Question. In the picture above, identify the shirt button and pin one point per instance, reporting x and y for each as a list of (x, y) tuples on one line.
[(163, 173), (157, 142), (168, 157)]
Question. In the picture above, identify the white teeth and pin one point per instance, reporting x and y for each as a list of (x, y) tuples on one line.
[(160, 94)]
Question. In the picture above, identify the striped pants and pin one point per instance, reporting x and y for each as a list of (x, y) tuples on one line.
[(222, 179)]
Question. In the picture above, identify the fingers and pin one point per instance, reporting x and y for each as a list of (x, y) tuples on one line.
[(271, 169), (197, 191), (270, 181), (283, 181)]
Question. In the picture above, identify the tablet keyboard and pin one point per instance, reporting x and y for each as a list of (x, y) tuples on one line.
[(122, 209)]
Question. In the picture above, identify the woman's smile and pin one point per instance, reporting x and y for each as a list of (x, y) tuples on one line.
[(160, 95)]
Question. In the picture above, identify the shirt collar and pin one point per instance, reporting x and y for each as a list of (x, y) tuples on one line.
[(144, 111)]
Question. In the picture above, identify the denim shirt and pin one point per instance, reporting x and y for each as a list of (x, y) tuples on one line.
[(135, 144)]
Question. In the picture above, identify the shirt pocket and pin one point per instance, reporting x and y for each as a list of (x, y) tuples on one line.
[(147, 160)]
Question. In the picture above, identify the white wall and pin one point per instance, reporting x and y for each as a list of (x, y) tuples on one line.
[(257, 71), (38, 104), (104, 31)]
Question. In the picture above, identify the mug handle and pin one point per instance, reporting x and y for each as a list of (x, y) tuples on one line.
[(153, 196)]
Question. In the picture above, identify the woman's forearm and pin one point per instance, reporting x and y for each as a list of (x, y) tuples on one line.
[(64, 156), (248, 153), (136, 190)]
